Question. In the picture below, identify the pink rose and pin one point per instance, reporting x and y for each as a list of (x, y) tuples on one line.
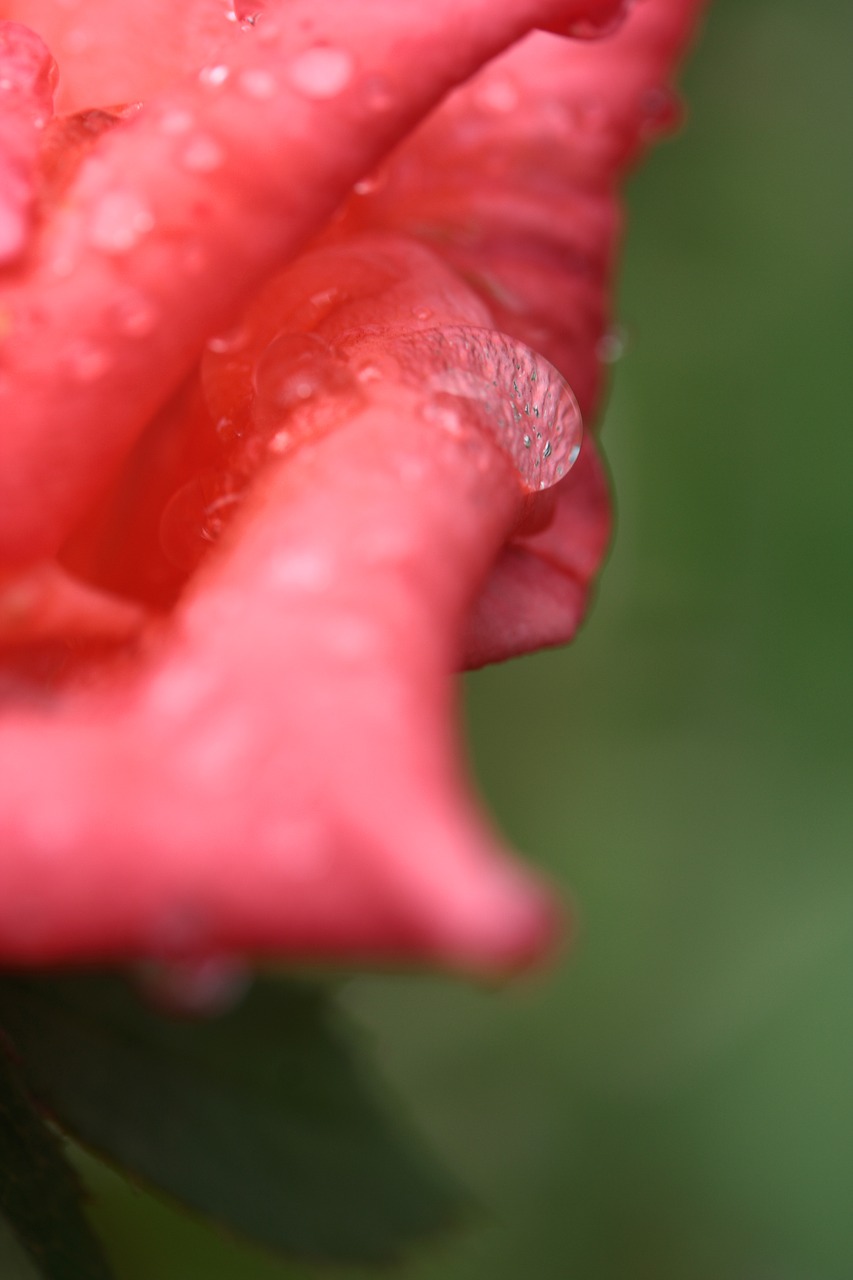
[(285, 290)]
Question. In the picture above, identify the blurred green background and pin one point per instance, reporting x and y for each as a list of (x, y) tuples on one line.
[(675, 1101)]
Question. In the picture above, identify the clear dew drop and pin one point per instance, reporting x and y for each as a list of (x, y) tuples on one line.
[(376, 94), (298, 372), (86, 361), (611, 345), (321, 72), (370, 183), (498, 96), (119, 221), (593, 28), (203, 154), (176, 122), (194, 259), (499, 384), (231, 340), (214, 77), (442, 412), (258, 83), (246, 17), (195, 988), (196, 514)]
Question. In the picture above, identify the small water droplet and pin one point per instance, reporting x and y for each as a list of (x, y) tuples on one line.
[(203, 155), (322, 71), (137, 317), (660, 111), (282, 442), (301, 570), (377, 93), (176, 122), (258, 83), (87, 361), (231, 340), (611, 345), (196, 514), (78, 40), (214, 77), (498, 95), (195, 988), (440, 411), (119, 221), (370, 183), (227, 430)]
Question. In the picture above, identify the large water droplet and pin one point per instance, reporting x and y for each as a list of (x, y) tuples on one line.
[(298, 371), (322, 71), (503, 386)]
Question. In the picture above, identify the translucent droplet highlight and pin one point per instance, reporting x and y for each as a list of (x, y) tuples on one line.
[(321, 72), (196, 514), (504, 387), (299, 376)]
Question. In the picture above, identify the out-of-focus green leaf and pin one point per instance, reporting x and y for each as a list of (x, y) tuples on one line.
[(39, 1196), (263, 1119)]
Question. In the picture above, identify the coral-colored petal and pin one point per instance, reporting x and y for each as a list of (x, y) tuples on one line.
[(536, 594), (184, 210), (285, 779), (26, 104)]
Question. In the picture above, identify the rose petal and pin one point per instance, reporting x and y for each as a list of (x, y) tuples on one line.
[(27, 74), (281, 773), (185, 209)]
